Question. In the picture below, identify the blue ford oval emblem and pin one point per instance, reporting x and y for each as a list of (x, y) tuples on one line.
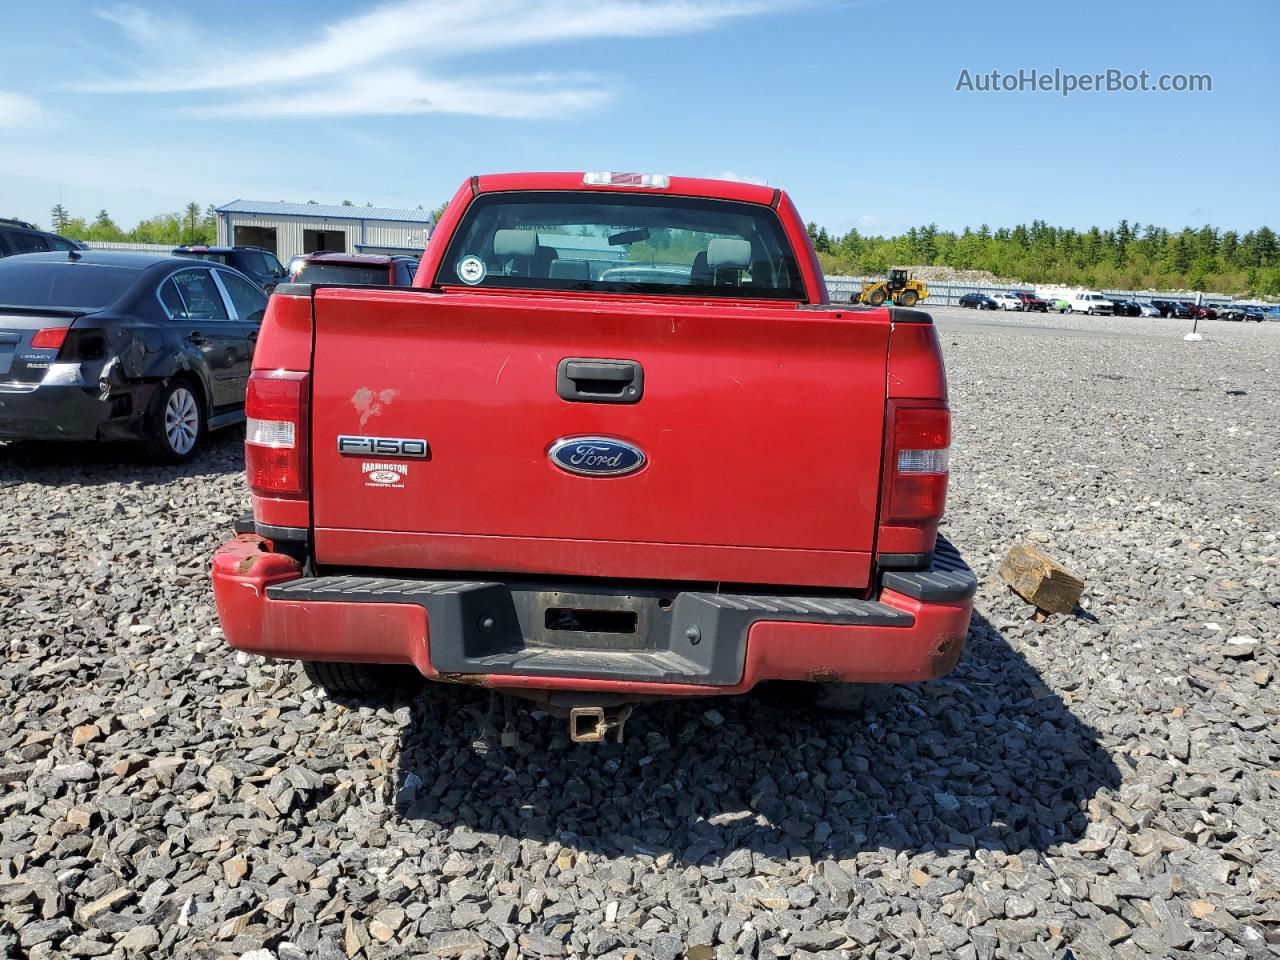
[(596, 456)]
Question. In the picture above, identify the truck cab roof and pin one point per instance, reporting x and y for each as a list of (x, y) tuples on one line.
[(661, 183)]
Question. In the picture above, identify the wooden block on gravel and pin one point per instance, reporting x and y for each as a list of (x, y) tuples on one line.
[(1041, 580)]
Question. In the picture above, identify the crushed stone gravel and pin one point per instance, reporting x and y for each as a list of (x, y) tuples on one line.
[(1099, 785)]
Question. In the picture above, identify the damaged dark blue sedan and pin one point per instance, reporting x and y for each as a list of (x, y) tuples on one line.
[(98, 345)]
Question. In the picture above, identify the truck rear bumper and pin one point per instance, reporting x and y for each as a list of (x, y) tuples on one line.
[(642, 641)]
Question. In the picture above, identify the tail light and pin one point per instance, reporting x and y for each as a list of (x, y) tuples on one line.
[(916, 493), (275, 451), (50, 338)]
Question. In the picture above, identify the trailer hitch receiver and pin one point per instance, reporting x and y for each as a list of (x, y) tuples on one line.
[(593, 724)]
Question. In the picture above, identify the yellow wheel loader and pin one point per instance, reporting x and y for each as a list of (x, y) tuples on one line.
[(902, 289)]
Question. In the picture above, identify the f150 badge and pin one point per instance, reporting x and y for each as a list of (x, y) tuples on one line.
[(596, 456), (382, 447)]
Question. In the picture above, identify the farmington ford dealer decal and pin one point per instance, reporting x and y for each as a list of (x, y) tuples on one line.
[(385, 474)]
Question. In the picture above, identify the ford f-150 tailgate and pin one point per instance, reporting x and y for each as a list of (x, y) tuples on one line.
[(752, 435)]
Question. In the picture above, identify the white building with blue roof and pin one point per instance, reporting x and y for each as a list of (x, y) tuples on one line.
[(288, 229)]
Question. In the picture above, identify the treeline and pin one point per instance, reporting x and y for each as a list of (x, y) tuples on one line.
[(193, 225), (1129, 257)]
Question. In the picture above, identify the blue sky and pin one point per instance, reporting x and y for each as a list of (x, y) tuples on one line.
[(851, 106)]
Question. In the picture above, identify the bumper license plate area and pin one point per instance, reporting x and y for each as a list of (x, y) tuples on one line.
[(591, 622)]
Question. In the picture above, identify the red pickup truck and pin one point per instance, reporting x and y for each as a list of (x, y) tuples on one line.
[(614, 444)]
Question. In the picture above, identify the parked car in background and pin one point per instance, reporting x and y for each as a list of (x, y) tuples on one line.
[(1007, 301), (104, 345), (258, 264), (296, 261), (1240, 313), (1090, 302), (1173, 308), (978, 301), (18, 236), (1149, 310), (1202, 311), (354, 268), (1125, 308), (1058, 304), (1031, 302)]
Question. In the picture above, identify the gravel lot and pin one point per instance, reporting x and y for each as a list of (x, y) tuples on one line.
[(1094, 786)]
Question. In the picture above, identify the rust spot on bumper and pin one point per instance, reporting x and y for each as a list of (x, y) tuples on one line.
[(945, 655), (472, 679), (247, 563), (822, 675)]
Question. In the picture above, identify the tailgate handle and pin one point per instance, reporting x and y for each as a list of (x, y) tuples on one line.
[(595, 380)]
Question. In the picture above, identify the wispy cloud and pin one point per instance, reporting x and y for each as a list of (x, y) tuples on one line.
[(18, 112), (147, 30), (406, 91), (396, 48), (741, 177)]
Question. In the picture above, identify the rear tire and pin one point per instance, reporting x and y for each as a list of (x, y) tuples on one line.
[(175, 422), (908, 298), (356, 679)]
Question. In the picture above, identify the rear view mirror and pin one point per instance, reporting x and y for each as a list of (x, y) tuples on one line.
[(629, 236)]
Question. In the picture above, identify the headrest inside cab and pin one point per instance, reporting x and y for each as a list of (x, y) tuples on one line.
[(514, 243), (728, 252)]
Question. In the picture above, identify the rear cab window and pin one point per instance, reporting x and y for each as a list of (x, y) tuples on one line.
[(618, 243)]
